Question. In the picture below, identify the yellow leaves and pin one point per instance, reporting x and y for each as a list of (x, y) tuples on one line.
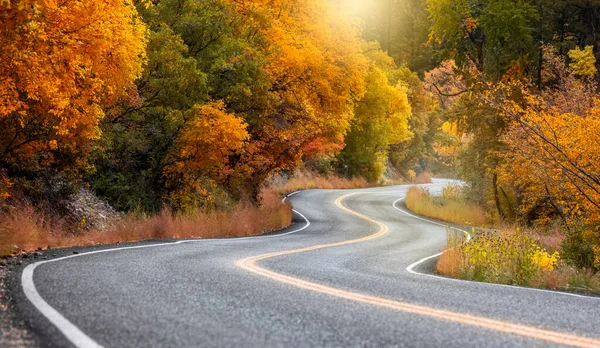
[(583, 62), (504, 257), (545, 261), (315, 59)]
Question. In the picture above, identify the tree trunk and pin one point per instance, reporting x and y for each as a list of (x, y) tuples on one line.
[(496, 196)]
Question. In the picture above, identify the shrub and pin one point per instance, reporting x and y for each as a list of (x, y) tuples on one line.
[(580, 248), (506, 257)]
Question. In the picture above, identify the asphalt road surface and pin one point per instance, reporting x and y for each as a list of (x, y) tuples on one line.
[(336, 278)]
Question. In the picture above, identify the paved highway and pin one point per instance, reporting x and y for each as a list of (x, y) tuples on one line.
[(336, 278)]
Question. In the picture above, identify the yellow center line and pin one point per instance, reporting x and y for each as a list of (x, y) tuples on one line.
[(250, 265)]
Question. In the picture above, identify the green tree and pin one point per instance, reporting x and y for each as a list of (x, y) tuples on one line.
[(494, 36), (381, 120)]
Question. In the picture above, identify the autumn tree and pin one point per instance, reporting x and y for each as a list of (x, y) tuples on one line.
[(315, 71), (552, 158), (416, 153), (62, 65)]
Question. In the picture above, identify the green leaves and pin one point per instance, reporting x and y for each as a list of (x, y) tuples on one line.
[(508, 34), (381, 120), (492, 35)]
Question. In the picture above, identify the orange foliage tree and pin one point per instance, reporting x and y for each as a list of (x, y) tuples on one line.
[(553, 156), (204, 146), (316, 72), (61, 64)]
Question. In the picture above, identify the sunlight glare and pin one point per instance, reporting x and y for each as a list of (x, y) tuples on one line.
[(356, 7)]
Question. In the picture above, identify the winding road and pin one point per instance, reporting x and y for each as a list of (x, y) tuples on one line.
[(336, 278)]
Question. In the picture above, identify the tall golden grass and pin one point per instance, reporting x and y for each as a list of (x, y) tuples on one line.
[(25, 228), (308, 181), (449, 207)]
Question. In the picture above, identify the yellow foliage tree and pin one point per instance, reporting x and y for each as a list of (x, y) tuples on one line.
[(62, 64), (583, 62), (381, 120)]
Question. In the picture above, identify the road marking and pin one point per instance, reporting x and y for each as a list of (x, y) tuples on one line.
[(410, 268), (75, 335), (250, 264)]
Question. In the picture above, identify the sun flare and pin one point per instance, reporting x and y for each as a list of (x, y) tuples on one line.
[(356, 7)]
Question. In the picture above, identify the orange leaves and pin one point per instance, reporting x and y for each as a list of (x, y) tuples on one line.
[(62, 64), (210, 135), (315, 60), (554, 155), (315, 68)]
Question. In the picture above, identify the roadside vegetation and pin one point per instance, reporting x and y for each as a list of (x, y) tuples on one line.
[(514, 257), (451, 206), (501, 253), (25, 227)]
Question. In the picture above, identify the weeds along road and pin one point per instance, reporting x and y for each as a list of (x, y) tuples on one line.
[(338, 281)]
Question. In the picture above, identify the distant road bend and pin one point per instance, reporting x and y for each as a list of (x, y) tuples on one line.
[(336, 278)]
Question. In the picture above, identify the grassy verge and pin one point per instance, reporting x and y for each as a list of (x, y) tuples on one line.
[(510, 255), (308, 180), (24, 228), (515, 257), (450, 207)]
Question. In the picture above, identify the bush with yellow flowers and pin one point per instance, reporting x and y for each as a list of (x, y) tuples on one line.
[(506, 257)]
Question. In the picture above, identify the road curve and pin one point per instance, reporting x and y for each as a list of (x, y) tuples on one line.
[(337, 277)]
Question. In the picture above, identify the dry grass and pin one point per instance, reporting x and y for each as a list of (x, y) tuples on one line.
[(449, 263), (568, 278), (24, 228), (423, 178), (450, 207), (307, 181)]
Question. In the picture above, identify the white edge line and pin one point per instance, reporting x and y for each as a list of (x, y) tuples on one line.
[(77, 337), (410, 268)]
